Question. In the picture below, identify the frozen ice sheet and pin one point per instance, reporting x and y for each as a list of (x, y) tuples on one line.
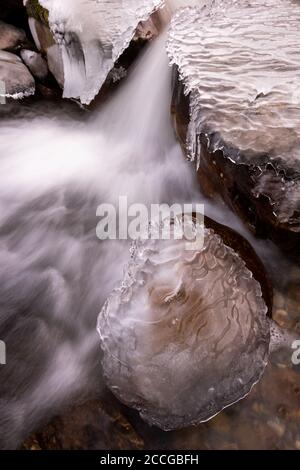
[(186, 334), (240, 62), (92, 35)]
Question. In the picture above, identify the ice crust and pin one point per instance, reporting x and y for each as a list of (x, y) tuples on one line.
[(92, 34), (186, 333), (240, 62)]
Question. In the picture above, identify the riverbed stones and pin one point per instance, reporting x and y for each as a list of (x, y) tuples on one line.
[(16, 79)]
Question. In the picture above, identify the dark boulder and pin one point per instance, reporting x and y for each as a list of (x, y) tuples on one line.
[(11, 38), (14, 12)]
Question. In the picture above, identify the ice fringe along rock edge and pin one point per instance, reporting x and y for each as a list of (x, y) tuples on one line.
[(92, 34)]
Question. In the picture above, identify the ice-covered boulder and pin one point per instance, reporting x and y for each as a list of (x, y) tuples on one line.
[(186, 333), (240, 109), (88, 37)]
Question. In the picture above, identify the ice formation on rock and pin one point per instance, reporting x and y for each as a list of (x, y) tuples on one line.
[(16, 82), (92, 34), (186, 333), (240, 63)]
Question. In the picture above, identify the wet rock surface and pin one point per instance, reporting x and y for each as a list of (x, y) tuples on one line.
[(37, 11), (35, 63), (11, 37), (19, 82), (240, 118)]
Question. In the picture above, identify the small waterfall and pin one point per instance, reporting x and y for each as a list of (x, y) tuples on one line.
[(56, 168)]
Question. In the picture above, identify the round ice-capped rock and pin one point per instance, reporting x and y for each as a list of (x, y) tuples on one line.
[(186, 333)]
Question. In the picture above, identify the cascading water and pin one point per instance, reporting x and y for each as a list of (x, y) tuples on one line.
[(55, 274)]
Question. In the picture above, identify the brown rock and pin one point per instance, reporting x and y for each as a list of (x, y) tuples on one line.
[(95, 425), (45, 43), (11, 37), (17, 79), (36, 64)]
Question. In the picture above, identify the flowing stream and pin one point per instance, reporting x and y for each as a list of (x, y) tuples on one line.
[(56, 167)]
